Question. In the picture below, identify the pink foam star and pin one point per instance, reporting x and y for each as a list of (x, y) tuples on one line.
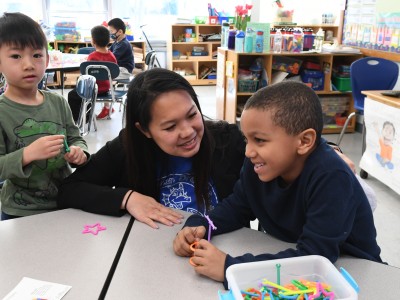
[(93, 229)]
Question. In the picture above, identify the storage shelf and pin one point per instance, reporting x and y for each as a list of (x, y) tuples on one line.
[(193, 63), (230, 100)]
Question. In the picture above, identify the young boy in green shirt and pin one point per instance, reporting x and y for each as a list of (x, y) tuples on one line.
[(39, 139)]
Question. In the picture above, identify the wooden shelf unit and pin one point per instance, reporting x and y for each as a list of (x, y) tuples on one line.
[(194, 63), (230, 100), (138, 48)]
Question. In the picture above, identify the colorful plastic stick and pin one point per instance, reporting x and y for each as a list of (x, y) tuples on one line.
[(211, 226), (279, 287), (278, 273), (66, 145)]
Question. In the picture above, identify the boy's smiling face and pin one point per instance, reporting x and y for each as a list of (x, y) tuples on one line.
[(23, 68), (273, 152)]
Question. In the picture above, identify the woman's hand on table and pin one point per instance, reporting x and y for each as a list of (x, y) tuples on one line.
[(147, 210)]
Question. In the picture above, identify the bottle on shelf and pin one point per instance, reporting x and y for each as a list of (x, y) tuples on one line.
[(260, 41), (239, 41), (224, 34), (277, 48), (231, 39), (319, 40), (298, 39), (248, 40)]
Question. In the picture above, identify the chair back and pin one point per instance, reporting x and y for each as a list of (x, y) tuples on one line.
[(371, 73), (150, 60), (102, 70), (85, 86), (86, 50)]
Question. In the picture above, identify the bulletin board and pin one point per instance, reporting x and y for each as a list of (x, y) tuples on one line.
[(374, 27)]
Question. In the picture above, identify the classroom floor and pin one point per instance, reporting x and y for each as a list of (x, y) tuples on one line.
[(386, 215)]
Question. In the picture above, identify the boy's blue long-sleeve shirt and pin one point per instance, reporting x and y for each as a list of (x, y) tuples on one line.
[(324, 211), (122, 50)]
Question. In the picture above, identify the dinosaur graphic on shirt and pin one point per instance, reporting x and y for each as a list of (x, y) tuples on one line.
[(176, 198), (30, 128)]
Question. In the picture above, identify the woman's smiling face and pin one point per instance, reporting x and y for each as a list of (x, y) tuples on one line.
[(176, 125)]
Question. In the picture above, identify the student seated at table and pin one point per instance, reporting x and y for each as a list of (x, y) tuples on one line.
[(166, 152), (100, 40), (39, 141), (167, 156), (122, 50), (295, 184)]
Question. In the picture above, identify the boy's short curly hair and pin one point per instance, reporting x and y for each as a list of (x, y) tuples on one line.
[(100, 35), (21, 31), (118, 24), (295, 106)]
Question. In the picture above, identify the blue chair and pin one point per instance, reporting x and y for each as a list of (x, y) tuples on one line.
[(86, 88), (86, 50), (369, 74), (104, 70)]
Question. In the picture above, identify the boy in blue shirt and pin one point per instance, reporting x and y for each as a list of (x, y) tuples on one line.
[(122, 50), (39, 141), (297, 187)]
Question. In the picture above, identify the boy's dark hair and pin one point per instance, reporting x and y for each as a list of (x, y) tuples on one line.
[(387, 123), (144, 157), (100, 35), (295, 106), (118, 24), (21, 31)]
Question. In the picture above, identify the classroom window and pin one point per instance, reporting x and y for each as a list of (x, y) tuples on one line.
[(85, 13), (161, 14), (32, 8)]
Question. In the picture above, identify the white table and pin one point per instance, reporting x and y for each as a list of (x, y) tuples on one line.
[(149, 269), (51, 247)]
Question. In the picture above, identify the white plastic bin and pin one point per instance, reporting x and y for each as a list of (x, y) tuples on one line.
[(312, 268)]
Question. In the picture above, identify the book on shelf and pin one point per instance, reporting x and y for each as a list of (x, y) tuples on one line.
[(205, 71)]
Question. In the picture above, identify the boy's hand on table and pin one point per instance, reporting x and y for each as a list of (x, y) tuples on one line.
[(75, 156), (210, 260), (43, 148), (185, 238)]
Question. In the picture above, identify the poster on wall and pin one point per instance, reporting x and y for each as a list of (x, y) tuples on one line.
[(372, 24), (381, 158)]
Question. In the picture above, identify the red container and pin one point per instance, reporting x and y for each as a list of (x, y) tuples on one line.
[(213, 20)]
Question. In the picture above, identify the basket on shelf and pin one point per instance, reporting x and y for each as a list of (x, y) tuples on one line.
[(248, 86)]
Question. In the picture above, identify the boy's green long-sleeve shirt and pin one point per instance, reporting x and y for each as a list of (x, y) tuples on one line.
[(33, 189)]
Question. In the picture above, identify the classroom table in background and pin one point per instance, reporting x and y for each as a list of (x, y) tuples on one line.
[(65, 62), (51, 247), (149, 269)]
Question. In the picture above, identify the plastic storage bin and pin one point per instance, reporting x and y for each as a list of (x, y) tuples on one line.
[(312, 267), (200, 20), (286, 64), (342, 84), (247, 86), (315, 78)]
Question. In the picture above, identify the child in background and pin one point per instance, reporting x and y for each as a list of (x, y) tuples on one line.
[(38, 137), (122, 50), (295, 184), (100, 40)]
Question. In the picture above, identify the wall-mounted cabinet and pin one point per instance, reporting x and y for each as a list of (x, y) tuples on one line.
[(192, 52), (231, 95)]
